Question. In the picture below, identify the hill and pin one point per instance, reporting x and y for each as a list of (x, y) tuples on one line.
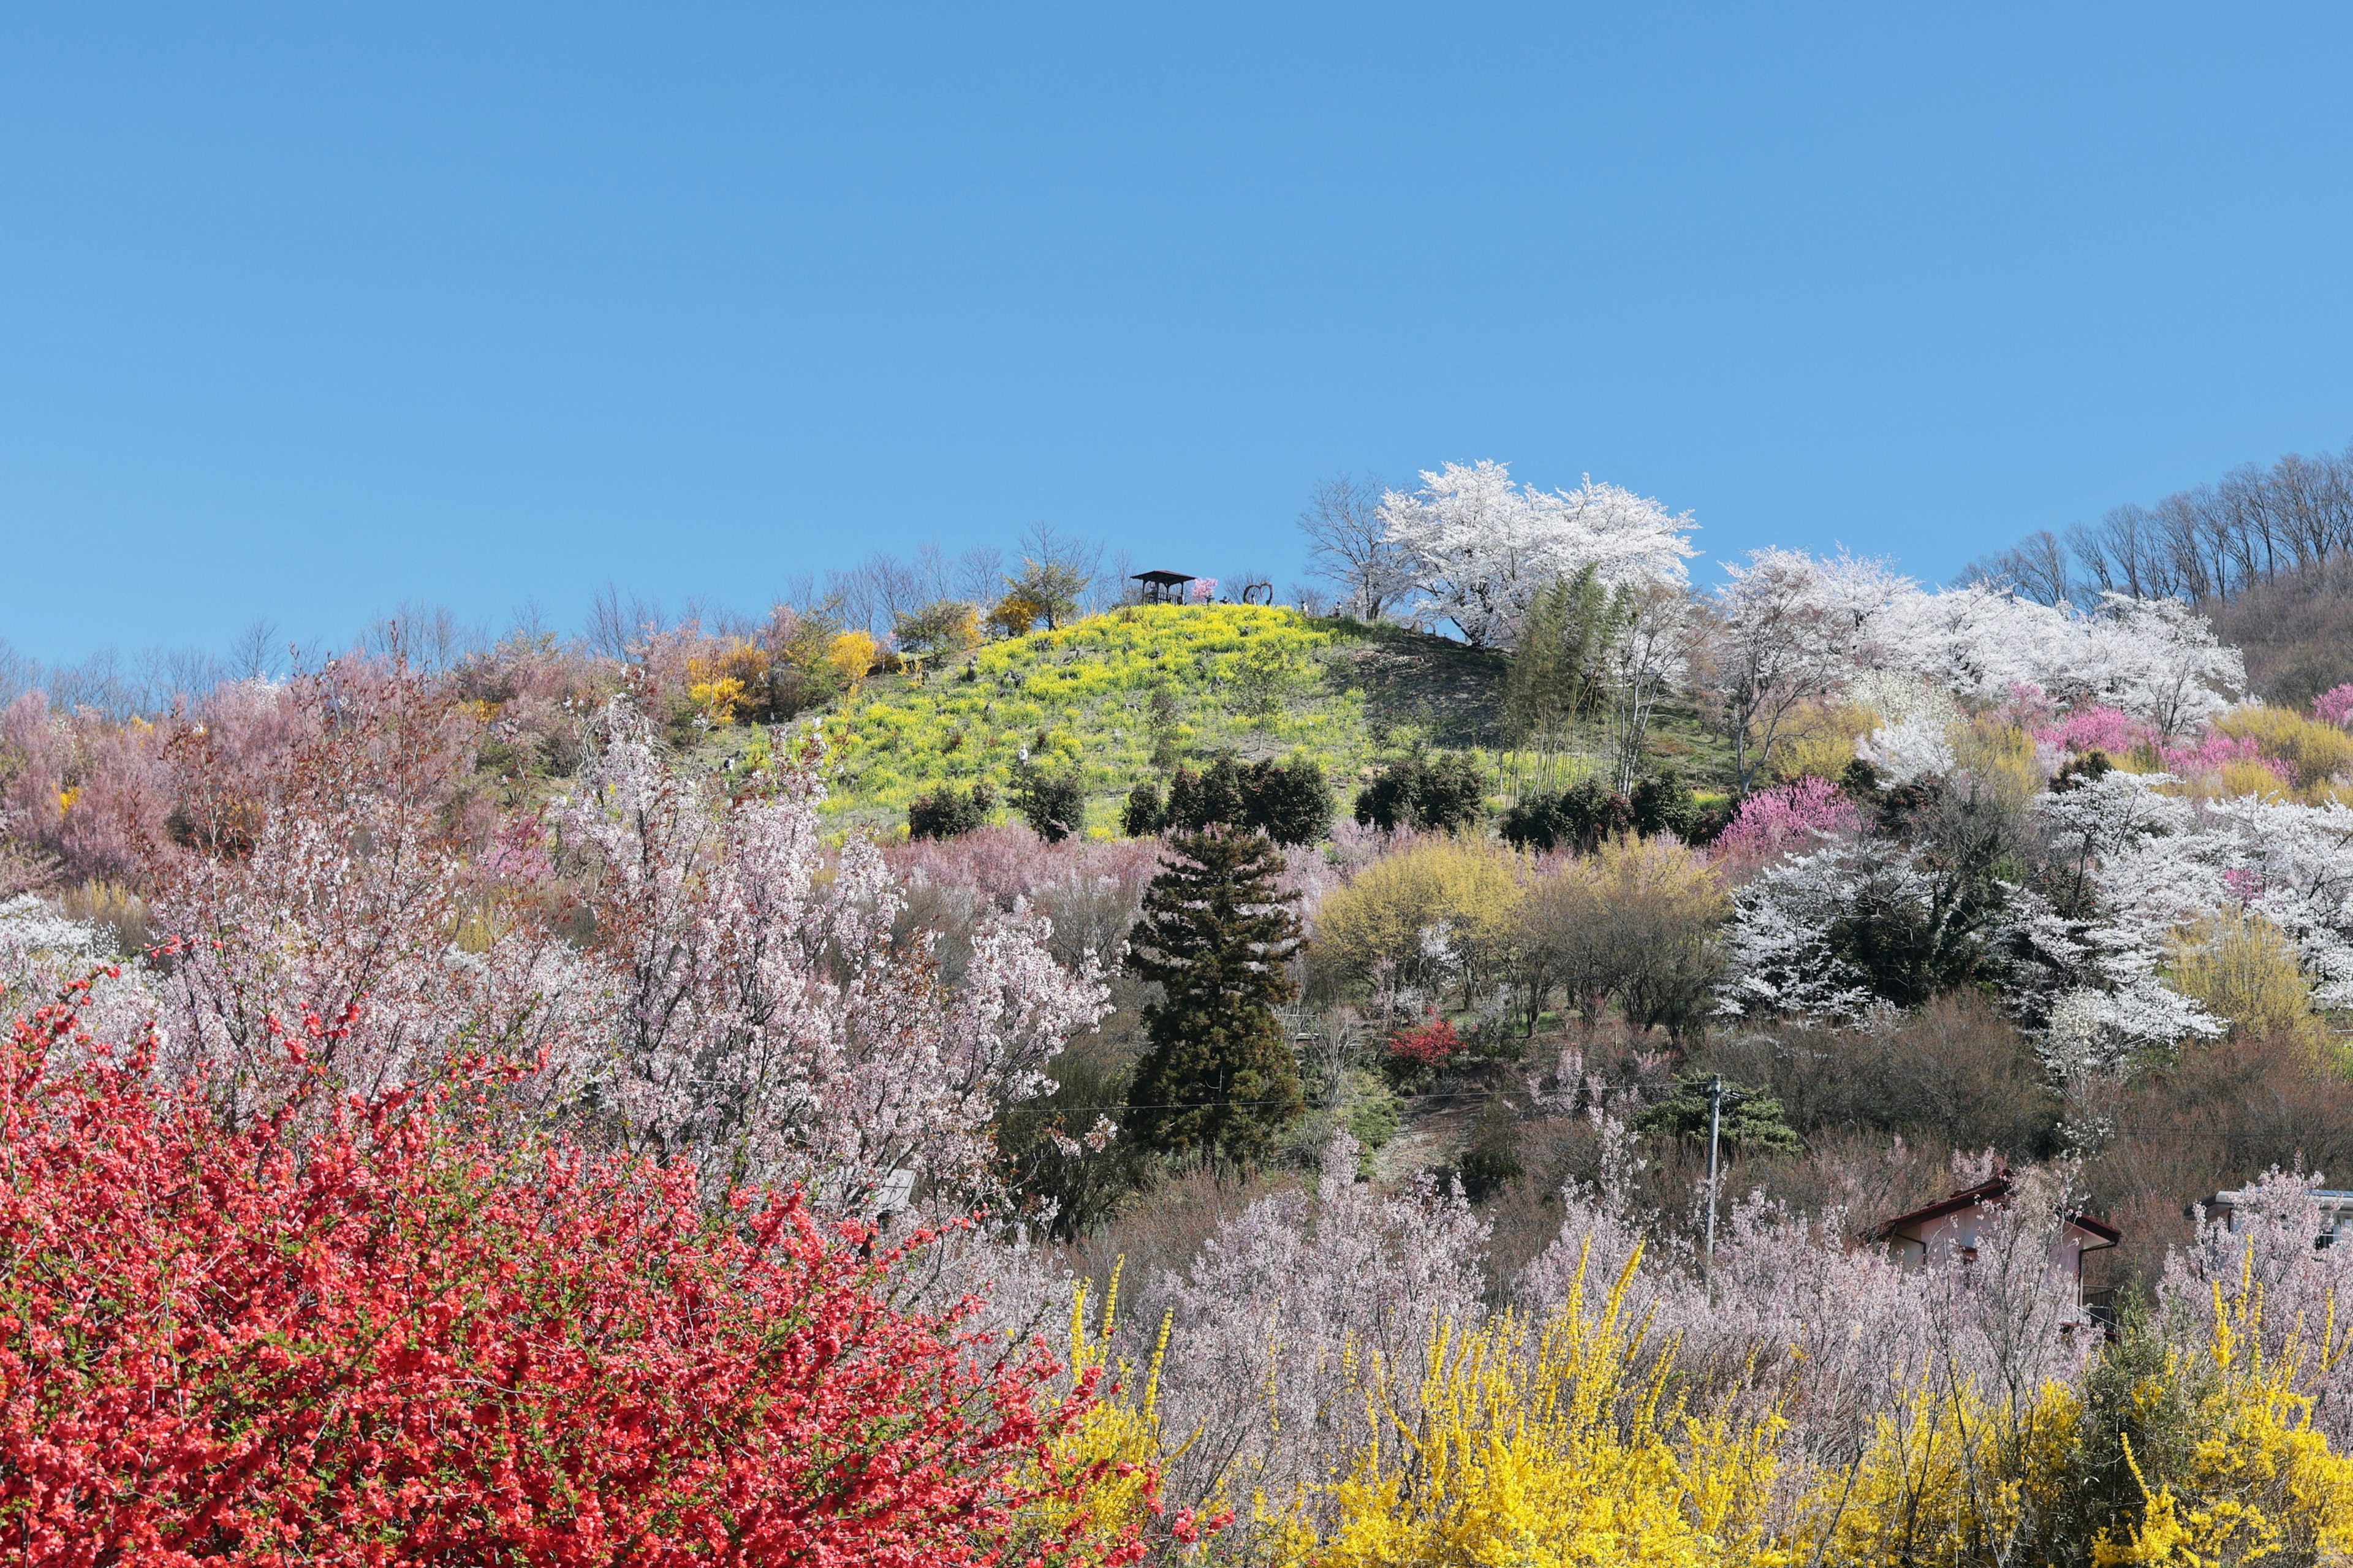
[(1128, 694), (1125, 695)]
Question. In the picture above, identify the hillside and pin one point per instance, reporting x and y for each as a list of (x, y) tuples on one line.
[(1122, 694)]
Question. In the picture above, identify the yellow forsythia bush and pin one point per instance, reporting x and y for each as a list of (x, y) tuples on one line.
[(2259, 1484), (1120, 1440), (1537, 1446)]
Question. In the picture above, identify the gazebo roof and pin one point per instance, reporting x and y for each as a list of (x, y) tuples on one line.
[(1165, 577)]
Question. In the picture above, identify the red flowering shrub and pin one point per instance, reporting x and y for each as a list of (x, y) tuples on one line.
[(378, 1333), (1426, 1046)]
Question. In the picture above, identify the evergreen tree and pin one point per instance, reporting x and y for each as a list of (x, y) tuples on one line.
[(1556, 662), (1054, 804), (1215, 934), (1443, 796), (948, 812), (1147, 813), (1201, 800), (1289, 802)]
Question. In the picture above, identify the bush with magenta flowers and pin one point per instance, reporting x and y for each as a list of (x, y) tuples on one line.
[(379, 1334)]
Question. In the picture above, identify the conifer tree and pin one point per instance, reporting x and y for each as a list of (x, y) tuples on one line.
[(1215, 934)]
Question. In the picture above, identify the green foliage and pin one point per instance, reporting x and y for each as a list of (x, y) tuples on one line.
[(1216, 935), (1052, 587), (1663, 802), (1147, 812), (1052, 802), (1443, 796), (1373, 1113), (1557, 667), (1288, 802), (948, 812), (1589, 813), (1753, 1120), (940, 630), (1212, 795)]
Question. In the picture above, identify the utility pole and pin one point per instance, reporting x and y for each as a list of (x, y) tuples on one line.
[(1714, 1126)]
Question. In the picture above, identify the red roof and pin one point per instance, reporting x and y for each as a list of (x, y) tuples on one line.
[(1989, 1191)]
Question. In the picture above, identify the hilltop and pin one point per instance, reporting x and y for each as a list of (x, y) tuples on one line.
[(1125, 695)]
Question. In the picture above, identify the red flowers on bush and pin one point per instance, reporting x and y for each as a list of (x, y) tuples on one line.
[(383, 1334), (1428, 1045)]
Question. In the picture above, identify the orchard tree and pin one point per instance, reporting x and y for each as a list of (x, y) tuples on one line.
[(1482, 548), (1784, 632), (1216, 935)]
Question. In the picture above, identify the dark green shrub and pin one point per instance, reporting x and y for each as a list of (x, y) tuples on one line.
[(1443, 796), (1289, 802), (1590, 812), (1147, 812), (1532, 821), (1054, 804), (1750, 1120), (1663, 802), (1212, 795), (948, 812)]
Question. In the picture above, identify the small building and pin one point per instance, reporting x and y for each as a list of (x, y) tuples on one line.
[(1950, 1227), (1163, 587), (2235, 1208)]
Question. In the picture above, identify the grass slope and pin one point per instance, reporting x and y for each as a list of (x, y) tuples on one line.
[(1124, 696)]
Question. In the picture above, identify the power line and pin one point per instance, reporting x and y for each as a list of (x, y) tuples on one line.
[(1211, 1104)]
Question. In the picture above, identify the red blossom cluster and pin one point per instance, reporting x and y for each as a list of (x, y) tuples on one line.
[(395, 1332), (1429, 1044)]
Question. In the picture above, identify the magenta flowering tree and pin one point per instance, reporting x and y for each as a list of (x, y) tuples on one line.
[(2334, 706), (2097, 727), (1792, 816), (2214, 752)]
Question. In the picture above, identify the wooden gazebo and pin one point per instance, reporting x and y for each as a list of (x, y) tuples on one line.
[(1163, 587)]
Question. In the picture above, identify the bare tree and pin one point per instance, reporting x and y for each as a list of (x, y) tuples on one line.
[(257, 653), (2036, 566), (1349, 546), (616, 626), (2212, 541), (166, 675), (981, 574), (19, 674), (430, 637)]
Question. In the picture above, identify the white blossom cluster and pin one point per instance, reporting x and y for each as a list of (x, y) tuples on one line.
[(1843, 620), (1481, 548)]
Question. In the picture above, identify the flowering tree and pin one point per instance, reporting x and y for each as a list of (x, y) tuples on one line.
[(1266, 1320), (769, 1025), (1784, 631), (1793, 815), (394, 1339), (1482, 548), (330, 876)]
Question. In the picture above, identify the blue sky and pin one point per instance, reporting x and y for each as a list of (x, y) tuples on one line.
[(307, 310)]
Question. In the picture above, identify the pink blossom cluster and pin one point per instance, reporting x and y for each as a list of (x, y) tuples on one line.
[(1792, 816), (2334, 706), (2216, 752), (2096, 729)]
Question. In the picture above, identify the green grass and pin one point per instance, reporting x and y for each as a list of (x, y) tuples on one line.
[(1245, 679)]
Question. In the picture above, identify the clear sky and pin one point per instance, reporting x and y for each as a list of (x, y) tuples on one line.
[(309, 309)]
